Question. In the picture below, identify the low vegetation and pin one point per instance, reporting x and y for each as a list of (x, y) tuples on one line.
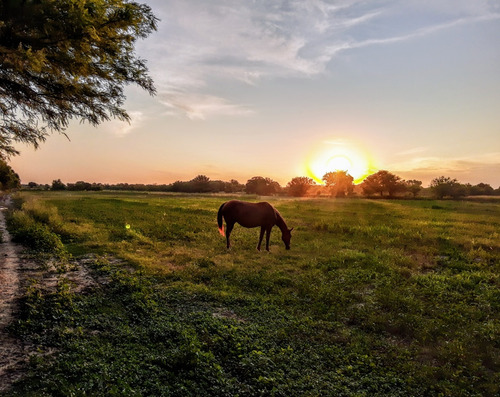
[(375, 297)]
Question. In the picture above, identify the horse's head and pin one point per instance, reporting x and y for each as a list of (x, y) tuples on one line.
[(286, 235)]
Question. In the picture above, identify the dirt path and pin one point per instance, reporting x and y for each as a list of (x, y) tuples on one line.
[(12, 356), (16, 274)]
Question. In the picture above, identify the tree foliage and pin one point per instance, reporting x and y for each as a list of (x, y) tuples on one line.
[(8, 178), (84, 186), (413, 186), (447, 187), (201, 183), (233, 186), (67, 59), (299, 186), (57, 184), (383, 182), (262, 186), (340, 183), (481, 189)]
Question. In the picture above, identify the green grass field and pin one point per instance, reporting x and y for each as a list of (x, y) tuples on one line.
[(375, 297)]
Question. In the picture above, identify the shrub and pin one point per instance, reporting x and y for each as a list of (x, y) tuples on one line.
[(35, 236)]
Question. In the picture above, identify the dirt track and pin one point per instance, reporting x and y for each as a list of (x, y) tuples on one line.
[(12, 355)]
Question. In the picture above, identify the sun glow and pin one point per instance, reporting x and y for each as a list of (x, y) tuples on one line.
[(338, 155), (339, 163)]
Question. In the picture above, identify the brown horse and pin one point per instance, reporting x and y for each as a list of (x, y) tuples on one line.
[(252, 215)]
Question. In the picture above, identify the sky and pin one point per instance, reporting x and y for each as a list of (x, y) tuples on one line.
[(280, 89)]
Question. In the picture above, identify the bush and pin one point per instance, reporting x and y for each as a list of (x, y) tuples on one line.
[(35, 236)]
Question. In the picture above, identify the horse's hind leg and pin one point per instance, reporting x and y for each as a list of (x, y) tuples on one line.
[(229, 229), (260, 238)]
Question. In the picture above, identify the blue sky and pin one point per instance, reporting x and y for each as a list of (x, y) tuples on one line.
[(249, 88)]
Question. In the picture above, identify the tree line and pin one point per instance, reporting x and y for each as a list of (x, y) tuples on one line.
[(383, 184)]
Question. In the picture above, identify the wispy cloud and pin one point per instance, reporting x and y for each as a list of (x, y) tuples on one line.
[(199, 106), (203, 46), (426, 31), (474, 168), (447, 163), (198, 48), (123, 128)]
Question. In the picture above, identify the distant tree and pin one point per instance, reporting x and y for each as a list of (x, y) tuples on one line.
[(442, 186), (200, 179), (372, 185), (200, 184), (67, 59), (233, 186), (58, 185), (383, 182), (8, 178), (339, 183), (446, 187), (96, 187), (216, 186), (299, 186), (178, 186), (79, 186), (262, 186), (481, 189), (413, 186), (32, 185), (84, 186)]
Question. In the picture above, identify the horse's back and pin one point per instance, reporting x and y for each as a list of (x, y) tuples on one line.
[(249, 214)]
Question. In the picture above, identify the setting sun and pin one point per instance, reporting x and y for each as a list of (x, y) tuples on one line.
[(339, 163), (338, 155)]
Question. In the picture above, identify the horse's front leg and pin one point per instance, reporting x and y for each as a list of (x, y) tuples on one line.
[(268, 235), (260, 238)]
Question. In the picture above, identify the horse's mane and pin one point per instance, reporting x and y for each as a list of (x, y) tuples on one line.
[(280, 222)]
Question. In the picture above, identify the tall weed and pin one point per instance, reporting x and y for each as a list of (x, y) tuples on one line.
[(36, 236)]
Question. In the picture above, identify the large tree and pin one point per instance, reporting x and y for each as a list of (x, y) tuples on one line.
[(383, 182), (262, 186), (67, 59), (299, 186), (340, 183)]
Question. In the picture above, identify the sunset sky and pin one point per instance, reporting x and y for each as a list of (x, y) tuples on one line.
[(286, 88)]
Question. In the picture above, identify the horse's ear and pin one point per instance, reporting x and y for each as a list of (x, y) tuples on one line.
[(291, 229)]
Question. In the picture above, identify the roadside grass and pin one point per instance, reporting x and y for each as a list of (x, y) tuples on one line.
[(375, 297)]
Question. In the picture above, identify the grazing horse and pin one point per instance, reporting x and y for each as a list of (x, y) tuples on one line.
[(252, 215)]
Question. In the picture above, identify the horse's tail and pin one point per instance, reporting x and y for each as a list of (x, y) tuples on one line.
[(219, 220)]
